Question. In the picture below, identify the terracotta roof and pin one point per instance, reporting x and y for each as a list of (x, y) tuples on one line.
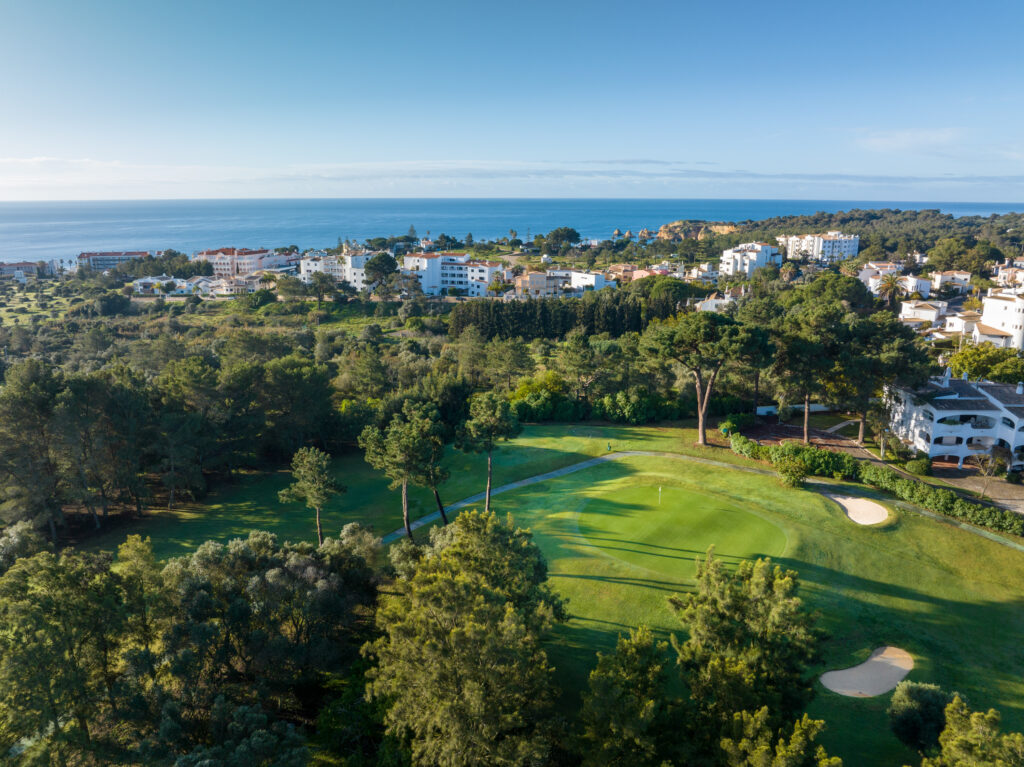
[(986, 330)]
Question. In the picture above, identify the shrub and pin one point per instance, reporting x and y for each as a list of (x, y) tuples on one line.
[(792, 471), (922, 467), (917, 714), (734, 422), (1013, 477)]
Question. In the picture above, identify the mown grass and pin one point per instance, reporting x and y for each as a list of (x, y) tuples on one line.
[(231, 511), (616, 553)]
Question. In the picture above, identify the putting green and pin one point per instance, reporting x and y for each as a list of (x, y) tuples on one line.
[(650, 526)]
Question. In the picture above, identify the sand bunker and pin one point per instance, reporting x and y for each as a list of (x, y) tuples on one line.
[(878, 674), (861, 510)]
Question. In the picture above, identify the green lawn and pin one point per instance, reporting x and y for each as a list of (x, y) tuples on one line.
[(231, 511), (617, 548)]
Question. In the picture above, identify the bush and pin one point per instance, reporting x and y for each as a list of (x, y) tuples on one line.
[(792, 471), (922, 467), (917, 714), (734, 422), (1013, 477)]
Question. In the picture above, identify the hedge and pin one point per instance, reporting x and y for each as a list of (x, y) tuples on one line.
[(826, 463)]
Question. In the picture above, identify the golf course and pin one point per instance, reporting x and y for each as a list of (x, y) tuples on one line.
[(621, 536)]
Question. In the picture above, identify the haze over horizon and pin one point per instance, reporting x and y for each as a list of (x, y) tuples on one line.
[(118, 100)]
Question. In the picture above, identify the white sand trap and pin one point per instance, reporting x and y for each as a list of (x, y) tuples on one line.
[(880, 673), (861, 510)]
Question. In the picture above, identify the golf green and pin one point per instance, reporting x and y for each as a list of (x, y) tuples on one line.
[(659, 528)]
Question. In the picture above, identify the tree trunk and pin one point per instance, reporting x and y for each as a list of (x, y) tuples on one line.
[(405, 508), (319, 529), (487, 493), (698, 385), (860, 428), (807, 417), (440, 506), (53, 530), (757, 391)]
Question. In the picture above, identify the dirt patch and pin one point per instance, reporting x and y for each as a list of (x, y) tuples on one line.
[(879, 674)]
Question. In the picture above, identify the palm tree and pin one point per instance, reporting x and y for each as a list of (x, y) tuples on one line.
[(788, 271), (849, 269), (889, 288)]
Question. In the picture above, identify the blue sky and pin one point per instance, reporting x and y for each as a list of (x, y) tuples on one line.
[(891, 100)]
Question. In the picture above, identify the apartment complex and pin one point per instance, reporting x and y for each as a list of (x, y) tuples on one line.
[(439, 272), (956, 418), (827, 248), (742, 260), (234, 262), (347, 268), (103, 260)]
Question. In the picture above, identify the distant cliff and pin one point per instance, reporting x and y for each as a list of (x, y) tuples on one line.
[(693, 230)]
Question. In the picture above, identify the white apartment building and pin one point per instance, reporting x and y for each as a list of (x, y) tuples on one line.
[(1002, 320), (437, 272), (956, 418), (234, 262), (827, 248), (706, 273), (742, 260), (100, 262), (347, 268)]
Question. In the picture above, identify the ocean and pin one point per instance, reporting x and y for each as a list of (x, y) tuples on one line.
[(33, 231)]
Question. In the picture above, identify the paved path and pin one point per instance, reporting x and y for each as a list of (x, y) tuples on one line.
[(838, 426), (819, 485)]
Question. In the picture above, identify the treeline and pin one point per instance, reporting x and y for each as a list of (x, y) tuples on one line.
[(95, 440), (898, 231), (611, 312)]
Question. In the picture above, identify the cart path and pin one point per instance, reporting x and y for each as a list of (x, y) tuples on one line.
[(818, 485)]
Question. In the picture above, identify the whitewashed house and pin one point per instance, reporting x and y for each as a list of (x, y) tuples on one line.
[(953, 279)]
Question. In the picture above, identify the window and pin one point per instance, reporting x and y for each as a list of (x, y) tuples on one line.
[(1007, 422), (928, 415)]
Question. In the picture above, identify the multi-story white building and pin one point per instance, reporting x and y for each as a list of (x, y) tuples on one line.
[(234, 262), (1002, 320), (100, 262), (956, 418), (439, 272), (828, 248), (347, 268), (742, 260)]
